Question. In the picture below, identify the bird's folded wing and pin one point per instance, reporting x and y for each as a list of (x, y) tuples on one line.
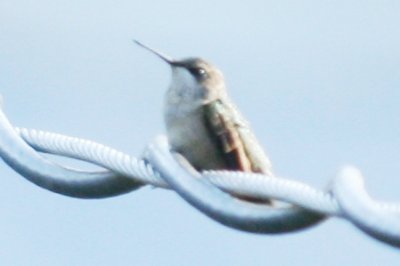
[(224, 131), (231, 133)]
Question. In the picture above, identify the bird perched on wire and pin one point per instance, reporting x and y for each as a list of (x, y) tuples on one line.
[(202, 122)]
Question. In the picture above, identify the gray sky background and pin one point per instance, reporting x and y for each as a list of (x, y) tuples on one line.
[(318, 80)]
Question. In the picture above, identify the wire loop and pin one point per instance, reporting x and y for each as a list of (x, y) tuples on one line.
[(210, 191)]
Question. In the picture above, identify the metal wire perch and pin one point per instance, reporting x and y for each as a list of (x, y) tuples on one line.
[(210, 192)]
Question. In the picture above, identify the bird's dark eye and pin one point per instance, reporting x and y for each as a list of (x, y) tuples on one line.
[(198, 72)]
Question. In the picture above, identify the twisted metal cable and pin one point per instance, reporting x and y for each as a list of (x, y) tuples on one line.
[(209, 192), (49, 175)]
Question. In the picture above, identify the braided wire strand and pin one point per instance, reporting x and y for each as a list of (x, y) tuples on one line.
[(347, 198), (234, 182)]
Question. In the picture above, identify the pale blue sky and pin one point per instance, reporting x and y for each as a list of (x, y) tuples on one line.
[(319, 81)]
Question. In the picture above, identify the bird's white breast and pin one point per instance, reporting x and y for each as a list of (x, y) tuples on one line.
[(188, 135)]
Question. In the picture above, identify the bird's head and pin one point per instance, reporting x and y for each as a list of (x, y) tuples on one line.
[(193, 78)]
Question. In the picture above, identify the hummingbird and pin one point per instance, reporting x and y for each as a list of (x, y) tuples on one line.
[(202, 122)]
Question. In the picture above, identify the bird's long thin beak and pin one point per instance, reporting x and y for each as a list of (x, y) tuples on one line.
[(164, 57)]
